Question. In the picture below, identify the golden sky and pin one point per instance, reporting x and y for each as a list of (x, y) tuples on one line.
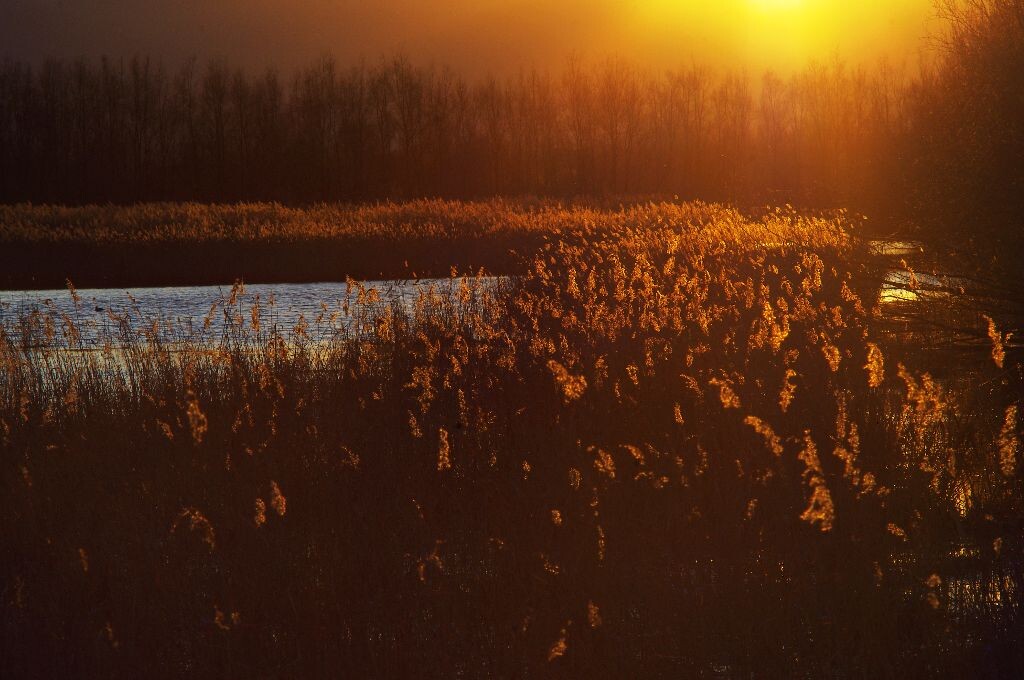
[(783, 34), (471, 35)]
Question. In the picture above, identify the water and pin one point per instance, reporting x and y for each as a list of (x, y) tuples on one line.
[(896, 248), (202, 312), (198, 313), (902, 285)]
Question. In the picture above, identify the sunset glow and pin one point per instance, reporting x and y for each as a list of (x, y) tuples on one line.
[(481, 35), (785, 35), (777, 5)]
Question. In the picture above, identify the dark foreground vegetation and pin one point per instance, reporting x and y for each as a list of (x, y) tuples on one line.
[(687, 445)]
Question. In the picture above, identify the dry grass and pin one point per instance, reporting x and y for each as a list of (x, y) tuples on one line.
[(676, 447)]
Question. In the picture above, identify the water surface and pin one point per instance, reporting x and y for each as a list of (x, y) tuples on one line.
[(205, 312)]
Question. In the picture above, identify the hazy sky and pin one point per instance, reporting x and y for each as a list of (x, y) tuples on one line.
[(470, 35)]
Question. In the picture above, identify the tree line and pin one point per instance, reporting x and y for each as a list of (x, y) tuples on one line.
[(939, 144), (136, 130)]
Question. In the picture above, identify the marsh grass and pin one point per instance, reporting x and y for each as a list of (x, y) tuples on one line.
[(683, 443), (190, 243)]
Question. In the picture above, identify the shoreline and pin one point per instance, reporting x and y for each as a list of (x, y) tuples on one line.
[(42, 266)]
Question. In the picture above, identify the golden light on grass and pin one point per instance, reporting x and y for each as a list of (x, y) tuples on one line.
[(722, 393)]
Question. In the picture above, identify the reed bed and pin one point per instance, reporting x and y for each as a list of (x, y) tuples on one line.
[(192, 243), (681, 444), (240, 222)]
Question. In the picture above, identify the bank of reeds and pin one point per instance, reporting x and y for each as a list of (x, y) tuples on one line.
[(192, 243), (677, 447)]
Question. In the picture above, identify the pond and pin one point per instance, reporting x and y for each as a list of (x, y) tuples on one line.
[(184, 313), (204, 312)]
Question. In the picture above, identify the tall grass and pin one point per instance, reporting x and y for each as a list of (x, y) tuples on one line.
[(679, 445)]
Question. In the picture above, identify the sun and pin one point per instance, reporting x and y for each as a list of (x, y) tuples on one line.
[(781, 35), (774, 5)]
